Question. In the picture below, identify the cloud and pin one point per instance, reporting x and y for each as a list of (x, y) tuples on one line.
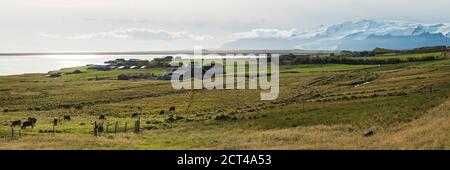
[(267, 33), (137, 33), (47, 35)]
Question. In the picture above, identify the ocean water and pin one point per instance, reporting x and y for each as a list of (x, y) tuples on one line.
[(13, 65)]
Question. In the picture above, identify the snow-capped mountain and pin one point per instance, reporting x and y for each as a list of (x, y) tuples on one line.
[(352, 35)]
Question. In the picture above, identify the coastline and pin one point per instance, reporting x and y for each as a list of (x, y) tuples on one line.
[(173, 52), (27, 63)]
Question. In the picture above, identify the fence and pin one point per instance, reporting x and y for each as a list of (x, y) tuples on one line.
[(99, 127)]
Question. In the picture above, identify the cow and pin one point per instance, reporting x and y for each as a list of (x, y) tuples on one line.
[(135, 114), (161, 112), (26, 124), (78, 106), (16, 123), (32, 120), (100, 128), (102, 117), (172, 109), (55, 121), (67, 117), (369, 134)]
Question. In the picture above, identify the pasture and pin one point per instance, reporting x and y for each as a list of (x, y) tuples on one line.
[(329, 106)]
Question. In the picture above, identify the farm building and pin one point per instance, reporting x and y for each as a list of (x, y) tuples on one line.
[(120, 68), (99, 66)]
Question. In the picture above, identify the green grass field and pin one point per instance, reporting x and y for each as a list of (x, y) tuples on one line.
[(91, 73), (402, 57), (319, 107), (309, 68)]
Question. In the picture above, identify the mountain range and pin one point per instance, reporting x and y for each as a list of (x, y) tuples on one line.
[(351, 35)]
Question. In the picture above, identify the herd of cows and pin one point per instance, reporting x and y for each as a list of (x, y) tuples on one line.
[(31, 121)]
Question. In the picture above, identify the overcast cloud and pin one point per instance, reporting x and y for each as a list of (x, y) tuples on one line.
[(122, 25)]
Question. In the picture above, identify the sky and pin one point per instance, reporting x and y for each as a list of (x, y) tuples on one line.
[(143, 25)]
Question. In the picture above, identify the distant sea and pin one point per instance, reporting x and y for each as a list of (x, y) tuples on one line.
[(13, 65)]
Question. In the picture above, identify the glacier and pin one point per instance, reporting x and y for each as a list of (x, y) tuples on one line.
[(350, 35)]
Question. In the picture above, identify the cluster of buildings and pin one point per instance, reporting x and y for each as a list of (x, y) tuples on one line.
[(119, 64)]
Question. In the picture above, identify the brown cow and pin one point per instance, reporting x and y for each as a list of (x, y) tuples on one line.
[(67, 117), (102, 117)]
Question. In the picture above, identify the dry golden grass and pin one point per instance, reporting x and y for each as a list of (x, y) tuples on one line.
[(429, 132)]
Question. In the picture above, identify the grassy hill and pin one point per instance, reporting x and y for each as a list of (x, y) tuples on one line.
[(92, 73), (320, 106)]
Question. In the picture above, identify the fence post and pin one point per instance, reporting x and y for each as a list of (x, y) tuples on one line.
[(107, 127), (20, 134), (95, 129), (303, 107), (12, 133), (115, 128), (137, 125)]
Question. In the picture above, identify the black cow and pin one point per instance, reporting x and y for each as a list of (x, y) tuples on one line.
[(67, 117), (16, 123), (32, 120), (172, 109), (55, 121), (102, 117), (134, 115), (369, 134), (27, 123), (161, 112)]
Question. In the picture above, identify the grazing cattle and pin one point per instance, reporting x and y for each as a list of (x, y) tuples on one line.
[(134, 115), (26, 124), (32, 120), (16, 123), (100, 128), (67, 117), (102, 117), (369, 134), (78, 106), (170, 119), (55, 121), (161, 112), (172, 109)]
